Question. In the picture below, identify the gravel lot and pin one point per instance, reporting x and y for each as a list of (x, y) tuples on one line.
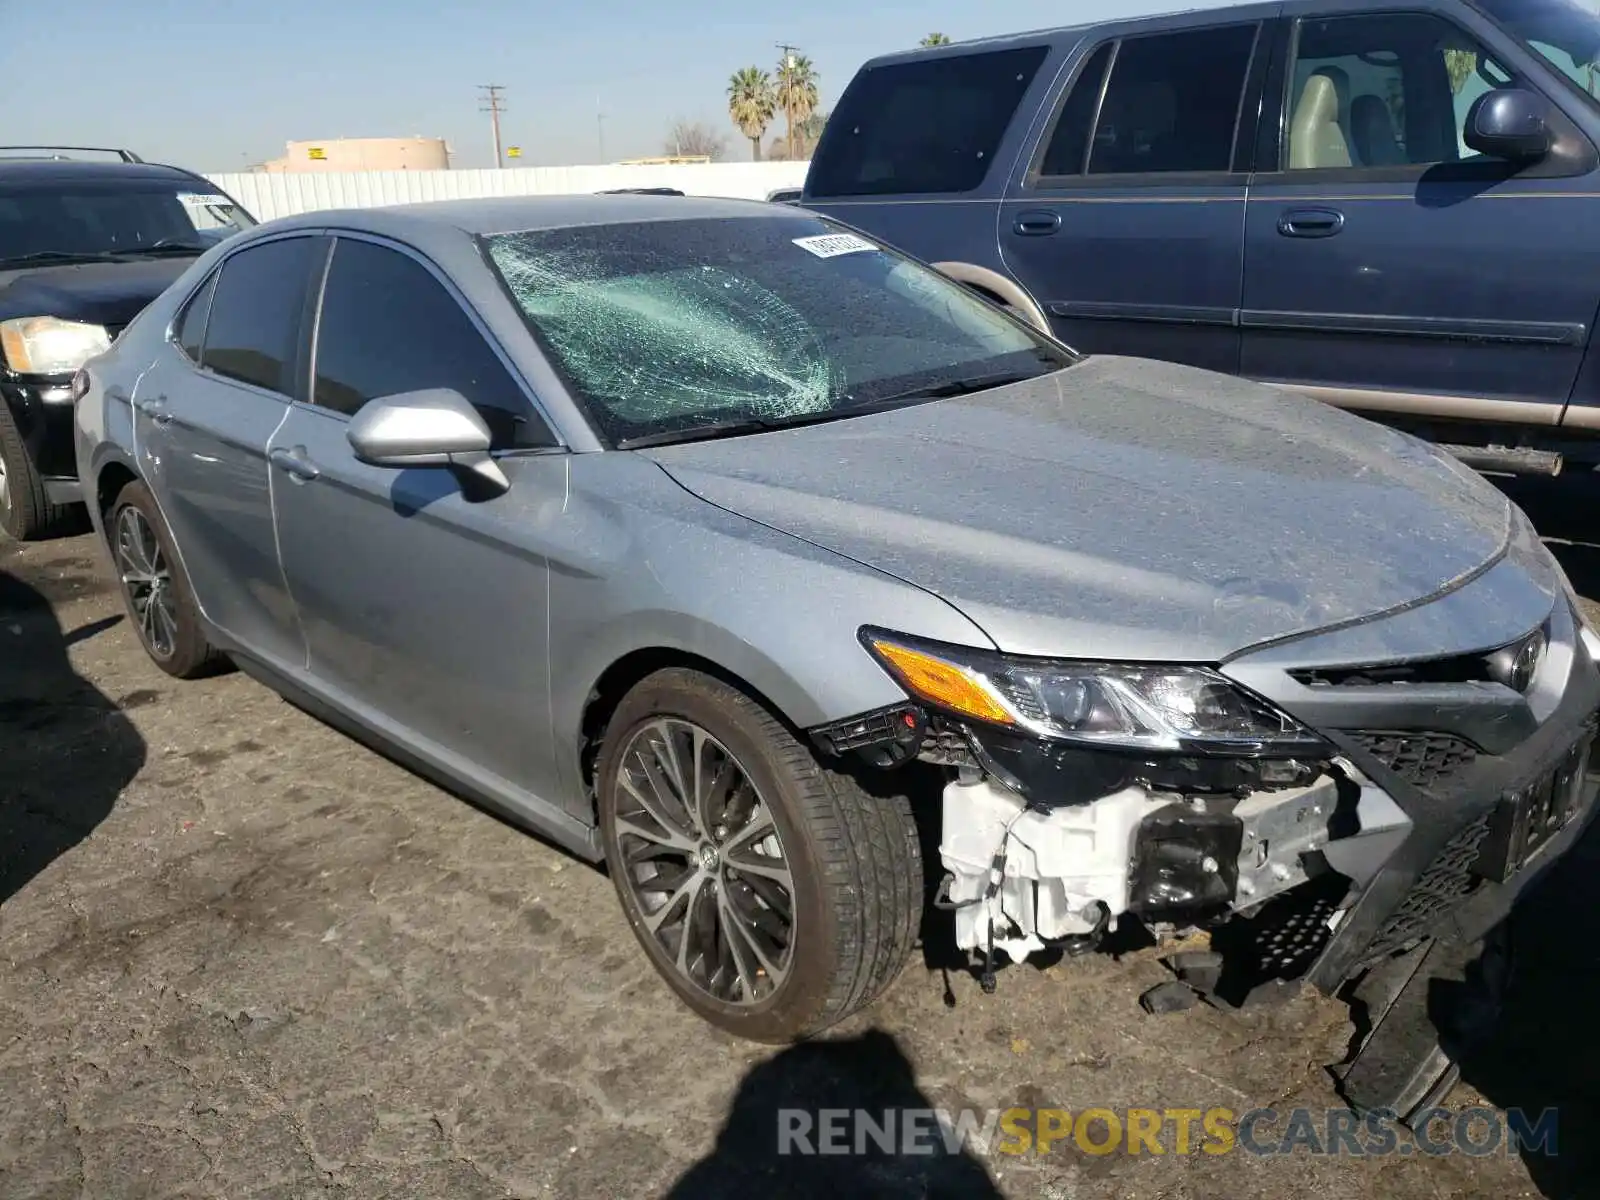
[(245, 957)]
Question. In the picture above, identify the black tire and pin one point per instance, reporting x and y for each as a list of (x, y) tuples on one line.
[(190, 655), (854, 856), (25, 510)]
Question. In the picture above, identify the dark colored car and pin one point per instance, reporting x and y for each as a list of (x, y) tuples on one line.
[(1391, 208), (84, 245)]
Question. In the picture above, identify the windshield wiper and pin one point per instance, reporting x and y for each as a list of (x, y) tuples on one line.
[(733, 427), (960, 387), (62, 256), (161, 249)]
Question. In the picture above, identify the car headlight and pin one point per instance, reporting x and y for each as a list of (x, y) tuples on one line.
[(1131, 706), (49, 345)]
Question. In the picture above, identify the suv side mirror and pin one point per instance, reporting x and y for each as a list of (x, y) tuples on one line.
[(1510, 123), (436, 427)]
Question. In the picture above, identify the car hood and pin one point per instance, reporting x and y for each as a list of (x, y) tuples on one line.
[(1122, 508), (99, 293)]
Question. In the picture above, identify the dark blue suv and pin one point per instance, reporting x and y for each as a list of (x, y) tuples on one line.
[(1394, 208)]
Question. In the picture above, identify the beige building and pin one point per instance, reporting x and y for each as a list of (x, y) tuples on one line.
[(363, 154)]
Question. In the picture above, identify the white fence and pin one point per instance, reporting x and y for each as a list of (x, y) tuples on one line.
[(280, 195)]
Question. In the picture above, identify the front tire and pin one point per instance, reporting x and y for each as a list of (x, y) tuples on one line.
[(774, 894), (155, 590)]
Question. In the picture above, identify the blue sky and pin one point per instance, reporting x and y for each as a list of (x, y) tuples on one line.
[(222, 83)]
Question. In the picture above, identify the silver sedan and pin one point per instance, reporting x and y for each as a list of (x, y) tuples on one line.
[(719, 542)]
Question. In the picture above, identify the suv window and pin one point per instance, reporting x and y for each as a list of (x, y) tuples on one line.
[(927, 125), (190, 329), (1172, 104), (389, 326), (1383, 90), (253, 332), (1069, 143)]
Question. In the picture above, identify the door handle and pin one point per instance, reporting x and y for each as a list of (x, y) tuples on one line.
[(155, 408), (300, 468), (1036, 224), (1311, 222)]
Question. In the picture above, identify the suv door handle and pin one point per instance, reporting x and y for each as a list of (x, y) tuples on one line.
[(1036, 224), (155, 408), (1311, 222), (300, 468)]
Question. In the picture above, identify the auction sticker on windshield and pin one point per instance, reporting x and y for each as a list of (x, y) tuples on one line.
[(202, 199), (831, 245)]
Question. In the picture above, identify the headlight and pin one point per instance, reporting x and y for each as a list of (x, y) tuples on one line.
[(49, 345), (1133, 706)]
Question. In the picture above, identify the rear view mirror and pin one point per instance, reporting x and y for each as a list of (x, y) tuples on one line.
[(434, 427), (1510, 123)]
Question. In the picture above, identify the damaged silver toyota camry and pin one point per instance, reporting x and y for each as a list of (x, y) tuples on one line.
[(811, 592)]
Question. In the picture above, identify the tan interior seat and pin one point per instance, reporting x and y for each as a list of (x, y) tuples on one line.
[(1316, 138)]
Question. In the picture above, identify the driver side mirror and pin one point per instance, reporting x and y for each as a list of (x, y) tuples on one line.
[(1510, 123), (436, 427)]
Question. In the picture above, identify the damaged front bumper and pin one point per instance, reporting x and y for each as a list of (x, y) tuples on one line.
[(1367, 870)]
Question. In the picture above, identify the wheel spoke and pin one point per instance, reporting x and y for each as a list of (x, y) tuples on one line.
[(739, 933), (683, 892), (673, 832), (746, 963), (742, 841)]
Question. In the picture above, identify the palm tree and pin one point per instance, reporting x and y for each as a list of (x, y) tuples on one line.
[(796, 94), (751, 105), (935, 39)]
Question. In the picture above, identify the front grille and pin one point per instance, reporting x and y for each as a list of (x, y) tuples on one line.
[(1438, 891), (1424, 760)]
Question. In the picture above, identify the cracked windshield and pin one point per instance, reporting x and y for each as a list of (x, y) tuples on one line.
[(672, 330)]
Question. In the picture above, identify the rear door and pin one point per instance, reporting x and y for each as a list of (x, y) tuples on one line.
[(1388, 267), (204, 415), (1127, 224), (425, 608)]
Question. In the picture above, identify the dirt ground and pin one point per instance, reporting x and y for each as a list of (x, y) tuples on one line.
[(242, 956)]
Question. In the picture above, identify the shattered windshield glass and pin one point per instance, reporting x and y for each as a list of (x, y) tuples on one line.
[(675, 327)]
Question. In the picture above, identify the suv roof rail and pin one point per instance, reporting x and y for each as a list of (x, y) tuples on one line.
[(127, 156)]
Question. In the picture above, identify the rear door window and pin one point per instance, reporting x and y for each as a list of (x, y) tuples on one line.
[(1172, 102), (253, 332), (923, 126)]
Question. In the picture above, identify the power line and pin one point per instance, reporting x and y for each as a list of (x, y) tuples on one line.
[(494, 105)]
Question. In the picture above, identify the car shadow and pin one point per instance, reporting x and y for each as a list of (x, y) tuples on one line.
[(66, 750), (774, 1142), (1541, 1052)]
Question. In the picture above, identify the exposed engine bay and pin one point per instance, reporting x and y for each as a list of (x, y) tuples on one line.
[(1023, 877)]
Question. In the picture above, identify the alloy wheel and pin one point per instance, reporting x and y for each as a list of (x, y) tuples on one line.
[(147, 582), (704, 862)]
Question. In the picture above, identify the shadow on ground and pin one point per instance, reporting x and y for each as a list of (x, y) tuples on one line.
[(791, 1091), (1544, 1052), (66, 750)]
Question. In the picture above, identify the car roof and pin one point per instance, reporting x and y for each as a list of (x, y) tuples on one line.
[(518, 214), (1033, 37), (68, 170)]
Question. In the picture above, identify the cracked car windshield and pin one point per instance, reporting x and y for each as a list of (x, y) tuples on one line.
[(94, 221), (675, 329)]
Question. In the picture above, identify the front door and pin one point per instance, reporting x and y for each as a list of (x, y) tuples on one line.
[(204, 415), (1128, 226), (1388, 266), (425, 611)]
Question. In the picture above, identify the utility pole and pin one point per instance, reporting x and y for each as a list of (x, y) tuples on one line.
[(493, 104), (600, 130), (788, 101)]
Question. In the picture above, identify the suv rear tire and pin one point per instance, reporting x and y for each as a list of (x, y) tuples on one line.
[(788, 896), (25, 509)]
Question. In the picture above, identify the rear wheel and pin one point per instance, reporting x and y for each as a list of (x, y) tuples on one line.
[(775, 895), (25, 508), (155, 591)]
